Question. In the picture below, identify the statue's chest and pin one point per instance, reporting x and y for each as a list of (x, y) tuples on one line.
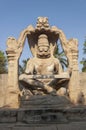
[(44, 64), (44, 67)]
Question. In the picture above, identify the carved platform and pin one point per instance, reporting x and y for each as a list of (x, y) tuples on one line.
[(44, 102), (67, 118)]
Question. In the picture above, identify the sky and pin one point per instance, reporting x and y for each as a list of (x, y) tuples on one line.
[(68, 15)]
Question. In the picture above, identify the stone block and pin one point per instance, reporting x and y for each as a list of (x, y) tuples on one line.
[(7, 116), (72, 126), (23, 128), (5, 128), (46, 127)]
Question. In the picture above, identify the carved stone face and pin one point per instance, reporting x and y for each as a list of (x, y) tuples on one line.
[(43, 49), (43, 52)]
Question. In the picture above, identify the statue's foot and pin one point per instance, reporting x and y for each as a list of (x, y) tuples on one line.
[(62, 91), (53, 93), (50, 90)]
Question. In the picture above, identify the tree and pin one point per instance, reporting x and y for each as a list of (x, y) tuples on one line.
[(3, 63), (23, 66), (83, 62), (61, 56), (84, 48)]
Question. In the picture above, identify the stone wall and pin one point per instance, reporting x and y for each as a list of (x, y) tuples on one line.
[(71, 118), (83, 80), (3, 85)]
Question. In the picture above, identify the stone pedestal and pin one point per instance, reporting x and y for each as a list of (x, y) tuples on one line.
[(67, 118)]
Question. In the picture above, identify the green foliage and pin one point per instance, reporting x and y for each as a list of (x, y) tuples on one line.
[(23, 66), (61, 56), (83, 62), (84, 48), (3, 63), (84, 65)]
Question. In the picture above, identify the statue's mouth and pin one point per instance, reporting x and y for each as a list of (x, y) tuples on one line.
[(43, 55)]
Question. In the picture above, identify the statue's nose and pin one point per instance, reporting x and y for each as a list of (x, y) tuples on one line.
[(42, 50), (45, 50)]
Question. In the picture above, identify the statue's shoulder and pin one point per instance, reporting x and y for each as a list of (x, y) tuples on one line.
[(32, 61), (56, 60)]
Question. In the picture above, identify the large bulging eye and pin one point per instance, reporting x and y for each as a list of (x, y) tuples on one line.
[(40, 49), (45, 49)]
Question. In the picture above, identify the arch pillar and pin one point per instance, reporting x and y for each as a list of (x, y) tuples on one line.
[(14, 50), (13, 54)]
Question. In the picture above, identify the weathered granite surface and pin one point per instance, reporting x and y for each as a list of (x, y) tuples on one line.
[(3, 88), (44, 102), (43, 41), (3, 85), (67, 118)]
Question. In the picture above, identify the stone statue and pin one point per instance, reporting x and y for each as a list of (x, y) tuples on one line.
[(45, 70), (44, 74)]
